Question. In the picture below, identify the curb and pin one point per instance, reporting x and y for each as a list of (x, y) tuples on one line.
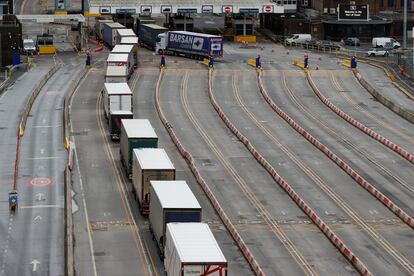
[(332, 237)]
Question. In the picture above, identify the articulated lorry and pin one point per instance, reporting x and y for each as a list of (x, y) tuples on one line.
[(135, 133), (171, 201), (149, 164), (189, 44), (148, 35), (191, 249)]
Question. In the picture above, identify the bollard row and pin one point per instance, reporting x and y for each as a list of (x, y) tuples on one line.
[(190, 160), (404, 153), (338, 161), (333, 238)]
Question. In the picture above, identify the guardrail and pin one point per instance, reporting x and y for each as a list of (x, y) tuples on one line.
[(200, 180)]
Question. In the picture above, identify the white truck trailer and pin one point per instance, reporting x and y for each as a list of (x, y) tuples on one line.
[(191, 249), (121, 60), (116, 96), (126, 49), (171, 201), (116, 74), (135, 133), (124, 33), (149, 164)]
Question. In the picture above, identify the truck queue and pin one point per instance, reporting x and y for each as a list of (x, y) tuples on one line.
[(186, 245)]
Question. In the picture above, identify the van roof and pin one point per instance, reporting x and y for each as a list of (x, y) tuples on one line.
[(129, 40), (126, 32)]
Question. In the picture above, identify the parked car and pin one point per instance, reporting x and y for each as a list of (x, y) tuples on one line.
[(328, 45), (313, 43), (374, 52), (352, 41)]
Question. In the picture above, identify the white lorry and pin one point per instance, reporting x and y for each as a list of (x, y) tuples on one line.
[(116, 74), (149, 164), (385, 42), (171, 201), (121, 60), (191, 249), (116, 96)]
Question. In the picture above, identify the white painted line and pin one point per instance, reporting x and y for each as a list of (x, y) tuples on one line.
[(46, 157), (40, 206), (85, 209), (46, 126)]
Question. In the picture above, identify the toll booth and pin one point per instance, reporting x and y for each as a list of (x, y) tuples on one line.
[(125, 19), (181, 22), (240, 27)]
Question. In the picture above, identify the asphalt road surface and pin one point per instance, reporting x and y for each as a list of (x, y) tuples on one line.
[(34, 240)]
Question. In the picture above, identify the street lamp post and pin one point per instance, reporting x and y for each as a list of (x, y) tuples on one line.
[(405, 25)]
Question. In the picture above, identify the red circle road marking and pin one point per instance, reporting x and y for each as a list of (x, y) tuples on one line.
[(40, 181)]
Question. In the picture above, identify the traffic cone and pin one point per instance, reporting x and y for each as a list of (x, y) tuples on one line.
[(273, 50), (287, 52), (262, 48), (254, 46), (317, 67), (320, 58)]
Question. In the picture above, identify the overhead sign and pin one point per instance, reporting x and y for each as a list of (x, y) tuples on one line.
[(353, 12), (187, 10), (248, 10), (227, 9), (207, 9), (125, 11), (166, 9), (146, 9)]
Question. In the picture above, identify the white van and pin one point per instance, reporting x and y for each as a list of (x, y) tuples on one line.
[(298, 38), (29, 46), (385, 42)]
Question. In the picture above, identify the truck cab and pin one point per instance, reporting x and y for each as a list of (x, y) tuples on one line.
[(161, 44)]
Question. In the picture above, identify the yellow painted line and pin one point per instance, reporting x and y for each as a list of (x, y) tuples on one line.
[(121, 190), (61, 12), (298, 63)]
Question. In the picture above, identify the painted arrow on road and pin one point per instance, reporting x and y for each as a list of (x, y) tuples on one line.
[(37, 218), (39, 196), (35, 263)]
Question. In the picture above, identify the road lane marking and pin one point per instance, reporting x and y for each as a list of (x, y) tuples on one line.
[(40, 206), (46, 157), (85, 209)]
